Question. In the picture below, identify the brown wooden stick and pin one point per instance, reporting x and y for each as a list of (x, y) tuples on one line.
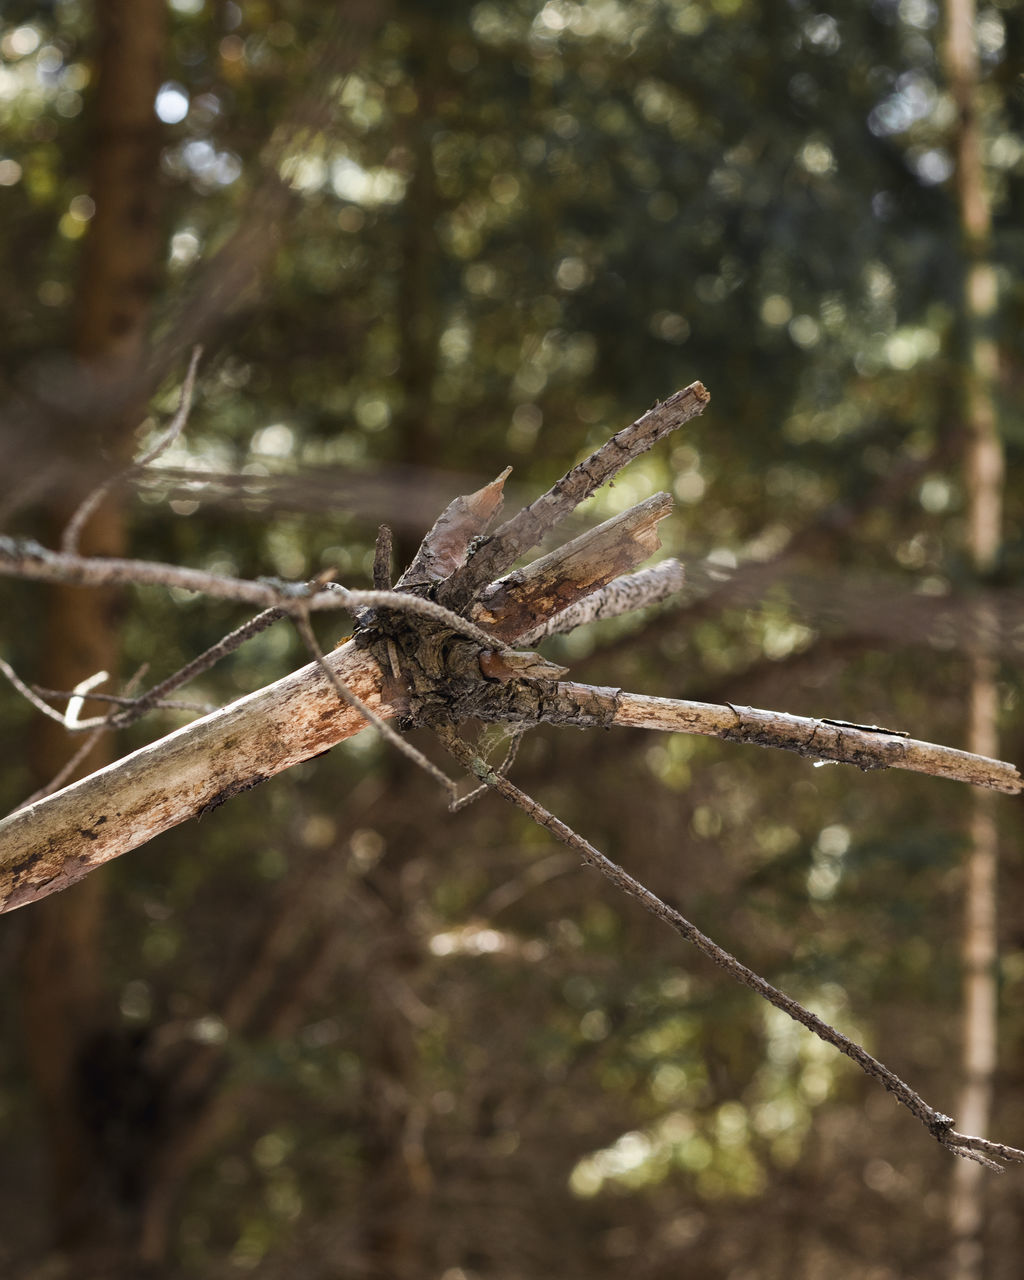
[(828, 741), (526, 529), (825, 740)]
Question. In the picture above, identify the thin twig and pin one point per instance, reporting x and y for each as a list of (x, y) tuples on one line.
[(65, 771), (937, 1124), (123, 700), (154, 697), (70, 765), (346, 695), (24, 558), (518, 733), (69, 541), (28, 693), (72, 716)]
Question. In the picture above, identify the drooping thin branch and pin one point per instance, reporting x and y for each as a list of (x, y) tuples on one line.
[(937, 1124), (73, 530), (24, 558), (626, 594), (526, 529)]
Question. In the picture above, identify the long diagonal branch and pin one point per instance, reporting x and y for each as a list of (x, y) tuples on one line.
[(940, 1126)]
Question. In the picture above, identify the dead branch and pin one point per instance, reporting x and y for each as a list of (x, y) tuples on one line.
[(833, 741), (52, 843), (526, 529), (938, 1125), (553, 582), (826, 741), (631, 592)]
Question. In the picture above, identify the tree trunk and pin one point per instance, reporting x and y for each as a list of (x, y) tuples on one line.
[(983, 470), (63, 996)]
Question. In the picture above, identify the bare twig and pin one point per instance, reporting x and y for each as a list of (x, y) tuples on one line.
[(76, 758), (65, 771), (124, 700), (23, 558), (526, 529), (29, 694), (937, 1124), (155, 697), (465, 801), (73, 530), (76, 703)]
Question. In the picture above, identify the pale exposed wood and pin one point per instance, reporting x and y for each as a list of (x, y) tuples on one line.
[(622, 595), (56, 841), (518, 602)]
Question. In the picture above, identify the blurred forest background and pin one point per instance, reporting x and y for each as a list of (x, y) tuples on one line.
[(331, 1030)]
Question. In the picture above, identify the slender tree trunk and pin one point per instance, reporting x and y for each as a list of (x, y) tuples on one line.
[(63, 993), (983, 470)]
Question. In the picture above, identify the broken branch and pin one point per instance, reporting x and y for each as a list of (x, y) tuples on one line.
[(50, 844), (552, 583), (526, 529), (623, 595)]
